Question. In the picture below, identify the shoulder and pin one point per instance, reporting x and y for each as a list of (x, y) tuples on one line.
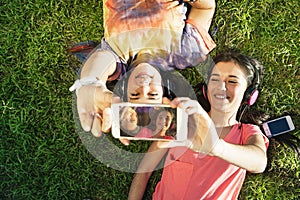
[(251, 130)]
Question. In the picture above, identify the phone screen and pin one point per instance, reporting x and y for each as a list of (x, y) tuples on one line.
[(278, 126), (149, 122)]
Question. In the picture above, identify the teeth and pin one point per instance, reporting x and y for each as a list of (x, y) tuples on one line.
[(221, 96)]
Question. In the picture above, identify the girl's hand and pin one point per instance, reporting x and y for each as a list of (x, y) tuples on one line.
[(93, 105), (202, 135)]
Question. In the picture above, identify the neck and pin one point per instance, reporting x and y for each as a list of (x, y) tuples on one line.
[(159, 132), (135, 130), (222, 119)]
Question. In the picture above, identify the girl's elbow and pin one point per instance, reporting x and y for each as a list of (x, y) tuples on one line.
[(260, 166)]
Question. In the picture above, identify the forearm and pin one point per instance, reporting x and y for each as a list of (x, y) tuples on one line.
[(250, 157), (138, 186), (145, 169), (100, 64), (202, 12), (204, 4)]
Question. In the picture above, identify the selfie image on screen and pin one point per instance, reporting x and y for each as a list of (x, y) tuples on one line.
[(149, 122)]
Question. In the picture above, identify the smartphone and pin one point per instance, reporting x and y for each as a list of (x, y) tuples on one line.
[(278, 126), (149, 122)]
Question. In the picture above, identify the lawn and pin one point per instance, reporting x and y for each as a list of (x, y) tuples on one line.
[(44, 154)]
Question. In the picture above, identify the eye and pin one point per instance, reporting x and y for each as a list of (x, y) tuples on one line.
[(232, 81), (134, 96), (153, 94), (214, 79)]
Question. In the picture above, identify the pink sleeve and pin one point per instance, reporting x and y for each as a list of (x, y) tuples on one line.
[(144, 133), (250, 129)]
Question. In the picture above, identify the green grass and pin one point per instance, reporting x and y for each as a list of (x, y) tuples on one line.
[(42, 156)]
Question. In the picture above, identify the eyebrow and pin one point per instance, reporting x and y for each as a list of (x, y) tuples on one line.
[(231, 76)]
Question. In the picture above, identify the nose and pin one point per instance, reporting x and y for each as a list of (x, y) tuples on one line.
[(223, 86), (143, 80), (132, 116), (144, 90)]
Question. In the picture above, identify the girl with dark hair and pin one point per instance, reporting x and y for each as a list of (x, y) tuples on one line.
[(254, 73), (161, 121), (213, 163), (147, 82)]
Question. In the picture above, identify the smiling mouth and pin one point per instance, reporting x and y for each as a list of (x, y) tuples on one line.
[(163, 124), (133, 120), (143, 75), (221, 97)]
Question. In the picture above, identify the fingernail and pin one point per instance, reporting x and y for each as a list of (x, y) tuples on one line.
[(98, 115), (98, 134), (86, 128)]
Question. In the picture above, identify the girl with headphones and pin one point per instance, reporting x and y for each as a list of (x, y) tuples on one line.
[(222, 146)]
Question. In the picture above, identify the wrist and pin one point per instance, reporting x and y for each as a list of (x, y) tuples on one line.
[(86, 81), (218, 149)]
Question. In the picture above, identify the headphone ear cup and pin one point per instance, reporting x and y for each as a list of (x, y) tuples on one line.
[(203, 98), (250, 96)]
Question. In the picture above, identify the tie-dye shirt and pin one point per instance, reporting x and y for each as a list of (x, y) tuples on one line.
[(132, 26)]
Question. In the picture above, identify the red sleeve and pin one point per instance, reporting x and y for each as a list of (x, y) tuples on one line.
[(249, 130)]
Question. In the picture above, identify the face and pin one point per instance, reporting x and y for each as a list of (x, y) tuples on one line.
[(144, 85), (163, 120), (129, 119), (226, 87)]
